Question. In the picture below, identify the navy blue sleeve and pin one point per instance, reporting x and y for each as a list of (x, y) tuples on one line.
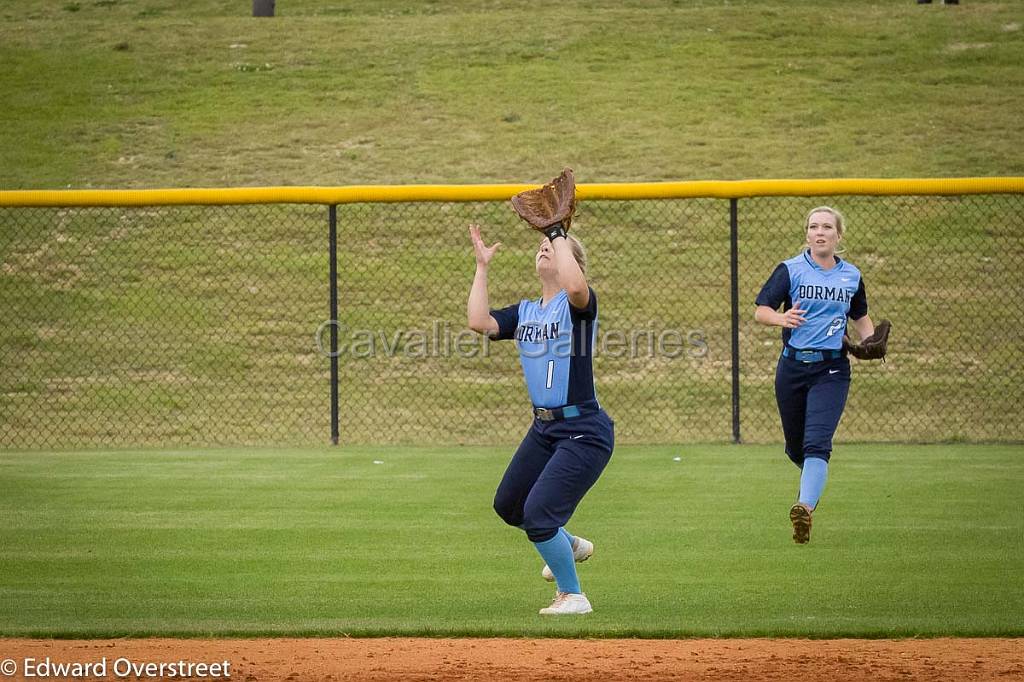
[(859, 303), (775, 291), (588, 313), (508, 320)]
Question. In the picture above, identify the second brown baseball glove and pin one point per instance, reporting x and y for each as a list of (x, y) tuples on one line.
[(872, 348)]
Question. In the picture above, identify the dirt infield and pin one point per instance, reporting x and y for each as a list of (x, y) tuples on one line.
[(491, 660)]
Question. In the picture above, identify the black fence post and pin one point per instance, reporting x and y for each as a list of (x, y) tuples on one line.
[(263, 8), (734, 295), (332, 219)]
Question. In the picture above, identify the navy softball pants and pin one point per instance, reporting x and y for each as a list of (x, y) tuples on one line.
[(811, 397), (554, 467)]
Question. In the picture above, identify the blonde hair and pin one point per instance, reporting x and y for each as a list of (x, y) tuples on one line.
[(578, 252), (840, 223)]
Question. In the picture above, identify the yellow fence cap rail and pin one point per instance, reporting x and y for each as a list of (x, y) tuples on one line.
[(720, 189), (738, 189)]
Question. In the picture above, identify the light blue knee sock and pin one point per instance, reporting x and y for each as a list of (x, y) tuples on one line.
[(557, 553), (572, 538), (812, 481)]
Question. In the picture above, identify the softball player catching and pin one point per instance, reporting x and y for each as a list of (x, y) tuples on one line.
[(571, 438), (818, 292)]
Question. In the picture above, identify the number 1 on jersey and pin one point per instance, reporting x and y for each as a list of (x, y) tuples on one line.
[(551, 372)]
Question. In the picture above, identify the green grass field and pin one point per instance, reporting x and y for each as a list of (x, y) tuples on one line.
[(909, 541)]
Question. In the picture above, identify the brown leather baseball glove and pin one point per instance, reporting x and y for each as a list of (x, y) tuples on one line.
[(872, 348), (549, 205)]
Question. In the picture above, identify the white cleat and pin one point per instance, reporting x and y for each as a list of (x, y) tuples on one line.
[(567, 604), (581, 551)]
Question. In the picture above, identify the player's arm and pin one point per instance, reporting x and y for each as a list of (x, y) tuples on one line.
[(864, 326), (773, 294), (791, 319), (859, 313), (570, 277), (478, 311)]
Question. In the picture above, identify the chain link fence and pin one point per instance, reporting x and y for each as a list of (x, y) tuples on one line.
[(211, 325)]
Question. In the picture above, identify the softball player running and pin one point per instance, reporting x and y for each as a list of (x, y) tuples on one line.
[(818, 292), (571, 438)]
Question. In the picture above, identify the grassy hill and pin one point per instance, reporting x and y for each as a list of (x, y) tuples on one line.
[(153, 93)]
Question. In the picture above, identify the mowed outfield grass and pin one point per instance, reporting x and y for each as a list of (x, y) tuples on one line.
[(923, 540)]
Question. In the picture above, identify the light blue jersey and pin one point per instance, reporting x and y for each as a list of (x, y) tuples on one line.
[(828, 298), (556, 347)]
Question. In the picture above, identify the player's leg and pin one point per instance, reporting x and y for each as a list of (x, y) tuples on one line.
[(574, 468), (522, 472), (572, 471), (568, 536), (582, 549), (791, 397), (825, 403), (812, 480)]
